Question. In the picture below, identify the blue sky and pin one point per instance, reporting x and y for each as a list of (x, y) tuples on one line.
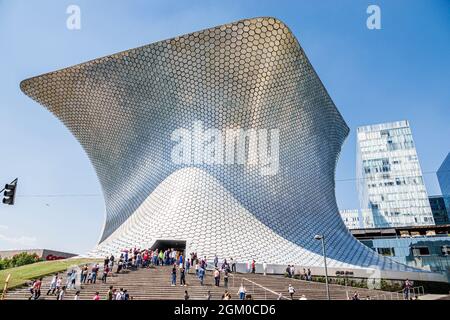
[(399, 72)]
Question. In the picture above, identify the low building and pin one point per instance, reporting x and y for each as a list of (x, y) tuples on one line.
[(425, 247), (43, 254)]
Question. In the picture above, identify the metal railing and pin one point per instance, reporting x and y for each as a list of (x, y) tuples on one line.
[(5, 288), (255, 289), (404, 294)]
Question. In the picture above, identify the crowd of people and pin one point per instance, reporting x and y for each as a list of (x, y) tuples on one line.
[(305, 275), (135, 258)]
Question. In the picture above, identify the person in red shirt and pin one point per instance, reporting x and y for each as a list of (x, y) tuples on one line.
[(105, 273), (96, 297), (36, 289)]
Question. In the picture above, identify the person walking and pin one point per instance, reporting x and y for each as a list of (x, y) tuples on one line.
[(94, 272), (73, 280), (291, 291), (216, 261), (58, 285), (265, 268), (288, 271), (186, 295), (120, 295), (96, 296), (201, 275), (77, 295), (84, 274), (106, 262), (53, 285), (233, 265), (208, 295), (105, 273), (225, 278), (406, 289), (217, 277), (174, 276), (182, 277), (36, 290), (253, 266), (242, 292), (61, 293), (110, 294)]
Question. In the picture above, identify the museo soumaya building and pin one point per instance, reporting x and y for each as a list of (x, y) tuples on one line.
[(222, 141)]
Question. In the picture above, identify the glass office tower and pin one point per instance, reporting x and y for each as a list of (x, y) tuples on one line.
[(390, 183), (439, 210), (443, 175)]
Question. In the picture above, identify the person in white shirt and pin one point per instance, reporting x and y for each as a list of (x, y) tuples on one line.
[(61, 293), (265, 267), (291, 291), (120, 294), (233, 265), (58, 285), (242, 292), (53, 285), (77, 295)]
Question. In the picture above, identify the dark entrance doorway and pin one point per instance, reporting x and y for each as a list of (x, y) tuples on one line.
[(177, 245)]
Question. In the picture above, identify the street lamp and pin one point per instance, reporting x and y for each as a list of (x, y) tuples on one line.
[(322, 239)]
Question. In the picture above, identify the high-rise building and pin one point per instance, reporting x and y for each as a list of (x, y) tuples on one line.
[(443, 175), (390, 182), (440, 213)]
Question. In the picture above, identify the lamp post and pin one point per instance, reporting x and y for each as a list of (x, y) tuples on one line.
[(322, 239)]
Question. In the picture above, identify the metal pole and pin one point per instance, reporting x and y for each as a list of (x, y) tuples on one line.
[(326, 270)]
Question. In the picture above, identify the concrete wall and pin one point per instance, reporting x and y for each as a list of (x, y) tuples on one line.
[(44, 254)]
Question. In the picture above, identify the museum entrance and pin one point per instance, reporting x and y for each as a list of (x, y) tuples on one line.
[(177, 245)]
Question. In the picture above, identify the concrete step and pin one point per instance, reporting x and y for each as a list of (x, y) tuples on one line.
[(155, 284)]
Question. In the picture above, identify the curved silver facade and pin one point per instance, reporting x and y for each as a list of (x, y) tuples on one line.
[(253, 73)]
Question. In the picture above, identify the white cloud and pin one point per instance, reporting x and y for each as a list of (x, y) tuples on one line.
[(3, 227)]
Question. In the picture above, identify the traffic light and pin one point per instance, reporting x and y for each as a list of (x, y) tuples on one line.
[(10, 192)]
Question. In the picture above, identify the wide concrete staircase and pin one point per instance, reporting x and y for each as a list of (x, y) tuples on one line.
[(155, 283), (261, 287)]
